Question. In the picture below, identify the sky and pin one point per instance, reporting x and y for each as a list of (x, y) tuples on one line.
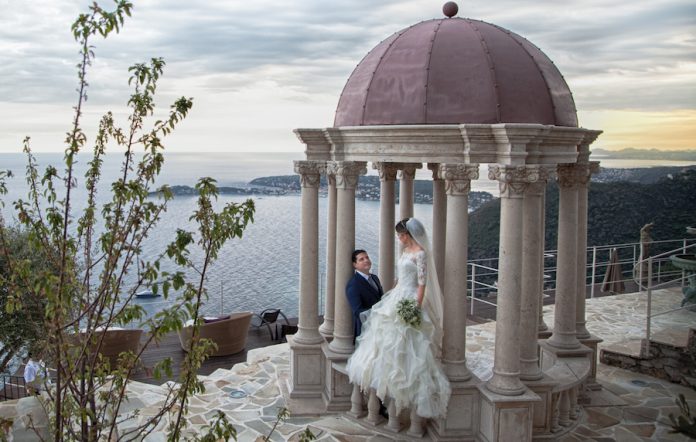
[(259, 69)]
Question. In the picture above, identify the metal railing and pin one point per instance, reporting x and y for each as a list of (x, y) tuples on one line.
[(483, 273), (13, 387), (646, 286)]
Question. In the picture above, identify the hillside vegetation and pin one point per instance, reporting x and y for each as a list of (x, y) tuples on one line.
[(616, 213)]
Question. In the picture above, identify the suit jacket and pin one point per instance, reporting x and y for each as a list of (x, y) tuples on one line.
[(361, 297)]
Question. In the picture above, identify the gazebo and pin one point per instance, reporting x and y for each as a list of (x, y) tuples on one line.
[(451, 94)]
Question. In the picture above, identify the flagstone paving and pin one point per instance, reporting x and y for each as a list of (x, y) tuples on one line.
[(630, 407)]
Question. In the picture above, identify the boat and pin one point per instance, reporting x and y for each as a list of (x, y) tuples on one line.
[(147, 294)]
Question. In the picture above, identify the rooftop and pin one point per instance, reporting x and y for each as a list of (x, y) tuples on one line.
[(455, 71)]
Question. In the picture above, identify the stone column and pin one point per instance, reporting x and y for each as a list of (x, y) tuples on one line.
[(458, 184), (513, 183), (327, 327), (308, 321), (439, 222), (407, 174), (584, 172), (387, 179), (564, 336), (532, 273), (346, 173), (307, 366), (543, 328)]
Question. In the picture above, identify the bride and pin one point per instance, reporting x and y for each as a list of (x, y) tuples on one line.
[(399, 360)]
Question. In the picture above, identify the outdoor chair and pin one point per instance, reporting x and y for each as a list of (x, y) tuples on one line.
[(229, 333), (115, 341), (118, 341), (269, 317)]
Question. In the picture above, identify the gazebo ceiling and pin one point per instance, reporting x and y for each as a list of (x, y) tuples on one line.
[(455, 71)]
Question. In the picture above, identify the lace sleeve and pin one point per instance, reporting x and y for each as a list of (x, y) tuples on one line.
[(422, 266)]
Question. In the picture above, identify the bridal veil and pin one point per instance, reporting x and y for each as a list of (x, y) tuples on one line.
[(433, 295)]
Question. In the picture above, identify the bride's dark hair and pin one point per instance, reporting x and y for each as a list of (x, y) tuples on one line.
[(401, 226)]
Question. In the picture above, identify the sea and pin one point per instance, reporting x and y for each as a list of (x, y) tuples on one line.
[(261, 269)]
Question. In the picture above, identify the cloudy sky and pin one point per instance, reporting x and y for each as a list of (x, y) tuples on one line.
[(259, 68)]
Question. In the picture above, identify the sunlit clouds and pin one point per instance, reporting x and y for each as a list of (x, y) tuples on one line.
[(257, 70)]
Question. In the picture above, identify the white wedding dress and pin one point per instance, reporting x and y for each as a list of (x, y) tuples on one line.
[(396, 359)]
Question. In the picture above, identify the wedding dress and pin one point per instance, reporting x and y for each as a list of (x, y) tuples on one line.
[(396, 359)]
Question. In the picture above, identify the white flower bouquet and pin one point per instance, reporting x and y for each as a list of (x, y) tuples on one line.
[(409, 312)]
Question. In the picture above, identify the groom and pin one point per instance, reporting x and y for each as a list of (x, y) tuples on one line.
[(363, 289)]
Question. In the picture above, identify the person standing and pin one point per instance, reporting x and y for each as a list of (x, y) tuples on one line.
[(399, 349), (33, 375), (363, 290)]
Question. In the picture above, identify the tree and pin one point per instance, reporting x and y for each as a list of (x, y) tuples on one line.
[(89, 254), (22, 329)]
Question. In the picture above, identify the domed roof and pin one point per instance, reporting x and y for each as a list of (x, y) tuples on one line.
[(453, 71)]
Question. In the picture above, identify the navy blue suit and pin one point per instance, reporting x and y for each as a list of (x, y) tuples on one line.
[(361, 297)]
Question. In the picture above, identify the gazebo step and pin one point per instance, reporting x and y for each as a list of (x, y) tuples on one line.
[(675, 337), (631, 347), (669, 356)]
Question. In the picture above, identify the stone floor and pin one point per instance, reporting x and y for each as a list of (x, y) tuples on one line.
[(630, 407)]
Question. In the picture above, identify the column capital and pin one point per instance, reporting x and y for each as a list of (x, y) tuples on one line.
[(407, 171), (514, 180), (458, 177), (537, 187), (310, 172), (346, 172), (576, 174), (587, 170), (386, 171), (435, 169)]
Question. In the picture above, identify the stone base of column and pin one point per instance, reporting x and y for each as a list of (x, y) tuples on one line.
[(306, 370), (543, 410), (544, 334), (508, 384), (337, 392), (591, 343), (326, 329), (463, 413), (556, 352), (456, 371), (506, 417)]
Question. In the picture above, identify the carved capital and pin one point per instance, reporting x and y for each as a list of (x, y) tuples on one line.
[(458, 177), (594, 166), (435, 169), (515, 180), (386, 171), (330, 179), (310, 172), (535, 189), (576, 174), (407, 171), (346, 172)]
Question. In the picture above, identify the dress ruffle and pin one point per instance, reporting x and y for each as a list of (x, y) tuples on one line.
[(397, 360)]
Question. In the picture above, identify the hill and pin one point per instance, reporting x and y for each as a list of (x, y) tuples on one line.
[(646, 154), (368, 189), (616, 212)]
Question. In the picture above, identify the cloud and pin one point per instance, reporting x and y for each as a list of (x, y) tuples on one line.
[(618, 54)]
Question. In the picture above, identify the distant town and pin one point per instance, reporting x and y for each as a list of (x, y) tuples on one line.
[(368, 189), (369, 186)]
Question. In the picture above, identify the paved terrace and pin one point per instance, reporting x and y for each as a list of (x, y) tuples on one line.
[(630, 407)]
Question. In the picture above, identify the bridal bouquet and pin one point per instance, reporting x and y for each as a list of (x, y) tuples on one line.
[(409, 312)]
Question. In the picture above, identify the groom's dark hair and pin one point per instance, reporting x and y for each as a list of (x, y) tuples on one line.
[(356, 252)]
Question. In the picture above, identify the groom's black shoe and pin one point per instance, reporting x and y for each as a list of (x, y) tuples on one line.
[(383, 411)]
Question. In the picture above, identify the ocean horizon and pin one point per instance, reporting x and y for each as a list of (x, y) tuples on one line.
[(260, 270)]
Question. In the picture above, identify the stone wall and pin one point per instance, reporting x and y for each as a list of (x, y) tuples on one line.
[(664, 361)]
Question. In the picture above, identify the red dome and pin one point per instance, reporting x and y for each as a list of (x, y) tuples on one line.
[(454, 71)]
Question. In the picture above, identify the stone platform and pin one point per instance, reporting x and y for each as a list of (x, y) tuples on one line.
[(630, 406)]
